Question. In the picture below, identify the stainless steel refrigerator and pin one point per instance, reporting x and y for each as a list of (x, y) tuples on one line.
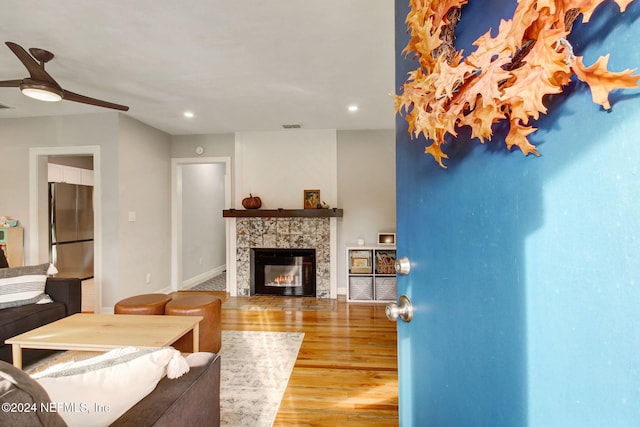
[(71, 229)]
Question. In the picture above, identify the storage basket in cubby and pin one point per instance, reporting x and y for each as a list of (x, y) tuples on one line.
[(386, 288), (386, 262), (361, 288)]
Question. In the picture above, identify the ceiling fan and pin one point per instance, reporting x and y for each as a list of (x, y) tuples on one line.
[(40, 85)]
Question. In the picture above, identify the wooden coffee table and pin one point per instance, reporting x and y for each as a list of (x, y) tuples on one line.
[(103, 332)]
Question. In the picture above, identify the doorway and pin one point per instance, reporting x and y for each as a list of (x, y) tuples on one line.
[(71, 221), (193, 181), (38, 250)]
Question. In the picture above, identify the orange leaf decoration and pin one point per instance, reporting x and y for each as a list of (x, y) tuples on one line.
[(602, 81), (518, 136), (507, 77)]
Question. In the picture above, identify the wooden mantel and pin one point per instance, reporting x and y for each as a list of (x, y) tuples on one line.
[(282, 213)]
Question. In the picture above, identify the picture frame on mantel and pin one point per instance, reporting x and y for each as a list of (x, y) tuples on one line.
[(312, 199)]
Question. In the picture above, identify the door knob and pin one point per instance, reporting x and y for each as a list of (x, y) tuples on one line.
[(402, 309), (403, 266)]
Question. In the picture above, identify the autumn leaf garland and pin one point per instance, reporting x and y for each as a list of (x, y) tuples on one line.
[(505, 78)]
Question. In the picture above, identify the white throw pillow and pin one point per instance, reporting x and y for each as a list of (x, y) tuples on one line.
[(21, 290), (97, 391), (198, 359), (22, 285)]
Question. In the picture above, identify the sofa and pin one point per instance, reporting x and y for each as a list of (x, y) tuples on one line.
[(67, 299), (192, 399)]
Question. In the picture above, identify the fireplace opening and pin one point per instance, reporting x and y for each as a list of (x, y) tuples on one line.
[(290, 272)]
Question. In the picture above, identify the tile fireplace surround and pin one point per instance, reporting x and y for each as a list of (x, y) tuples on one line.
[(297, 232)]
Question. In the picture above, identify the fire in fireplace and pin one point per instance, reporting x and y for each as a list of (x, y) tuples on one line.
[(290, 272)]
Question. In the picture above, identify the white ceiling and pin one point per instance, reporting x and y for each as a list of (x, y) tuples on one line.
[(239, 65)]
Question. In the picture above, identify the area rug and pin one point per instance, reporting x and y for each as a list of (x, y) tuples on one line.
[(255, 372)]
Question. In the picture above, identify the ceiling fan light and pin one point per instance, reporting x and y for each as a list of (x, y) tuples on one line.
[(41, 92)]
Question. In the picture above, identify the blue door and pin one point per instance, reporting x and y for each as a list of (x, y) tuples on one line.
[(525, 271)]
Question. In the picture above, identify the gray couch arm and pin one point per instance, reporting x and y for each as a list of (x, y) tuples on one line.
[(190, 400), (66, 291)]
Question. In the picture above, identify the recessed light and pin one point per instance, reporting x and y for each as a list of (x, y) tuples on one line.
[(188, 114), (352, 108)]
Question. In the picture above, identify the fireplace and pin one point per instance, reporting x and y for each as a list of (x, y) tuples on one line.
[(282, 229), (290, 272)]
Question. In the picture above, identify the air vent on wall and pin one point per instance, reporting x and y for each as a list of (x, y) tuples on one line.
[(292, 126)]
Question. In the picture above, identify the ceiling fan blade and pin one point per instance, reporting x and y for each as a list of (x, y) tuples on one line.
[(10, 83), (70, 96), (34, 63), (36, 70)]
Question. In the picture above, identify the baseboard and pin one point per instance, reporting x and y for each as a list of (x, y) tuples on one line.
[(203, 276)]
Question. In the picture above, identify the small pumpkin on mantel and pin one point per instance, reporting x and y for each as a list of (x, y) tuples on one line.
[(251, 202)]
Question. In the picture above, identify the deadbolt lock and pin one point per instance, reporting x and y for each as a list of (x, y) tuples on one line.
[(403, 266)]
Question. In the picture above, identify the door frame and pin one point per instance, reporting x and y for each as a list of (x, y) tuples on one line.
[(38, 217), (176, 208)]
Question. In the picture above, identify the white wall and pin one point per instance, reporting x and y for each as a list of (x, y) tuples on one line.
[(82, 162), (367, 184), (366, 189), (145, 191), (18, 135), (215, 145), (279, 166), (203, 227)]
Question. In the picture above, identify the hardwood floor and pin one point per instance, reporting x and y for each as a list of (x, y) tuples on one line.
[(346, 371)]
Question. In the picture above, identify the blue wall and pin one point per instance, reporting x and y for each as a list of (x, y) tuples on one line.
[(540, 254)]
